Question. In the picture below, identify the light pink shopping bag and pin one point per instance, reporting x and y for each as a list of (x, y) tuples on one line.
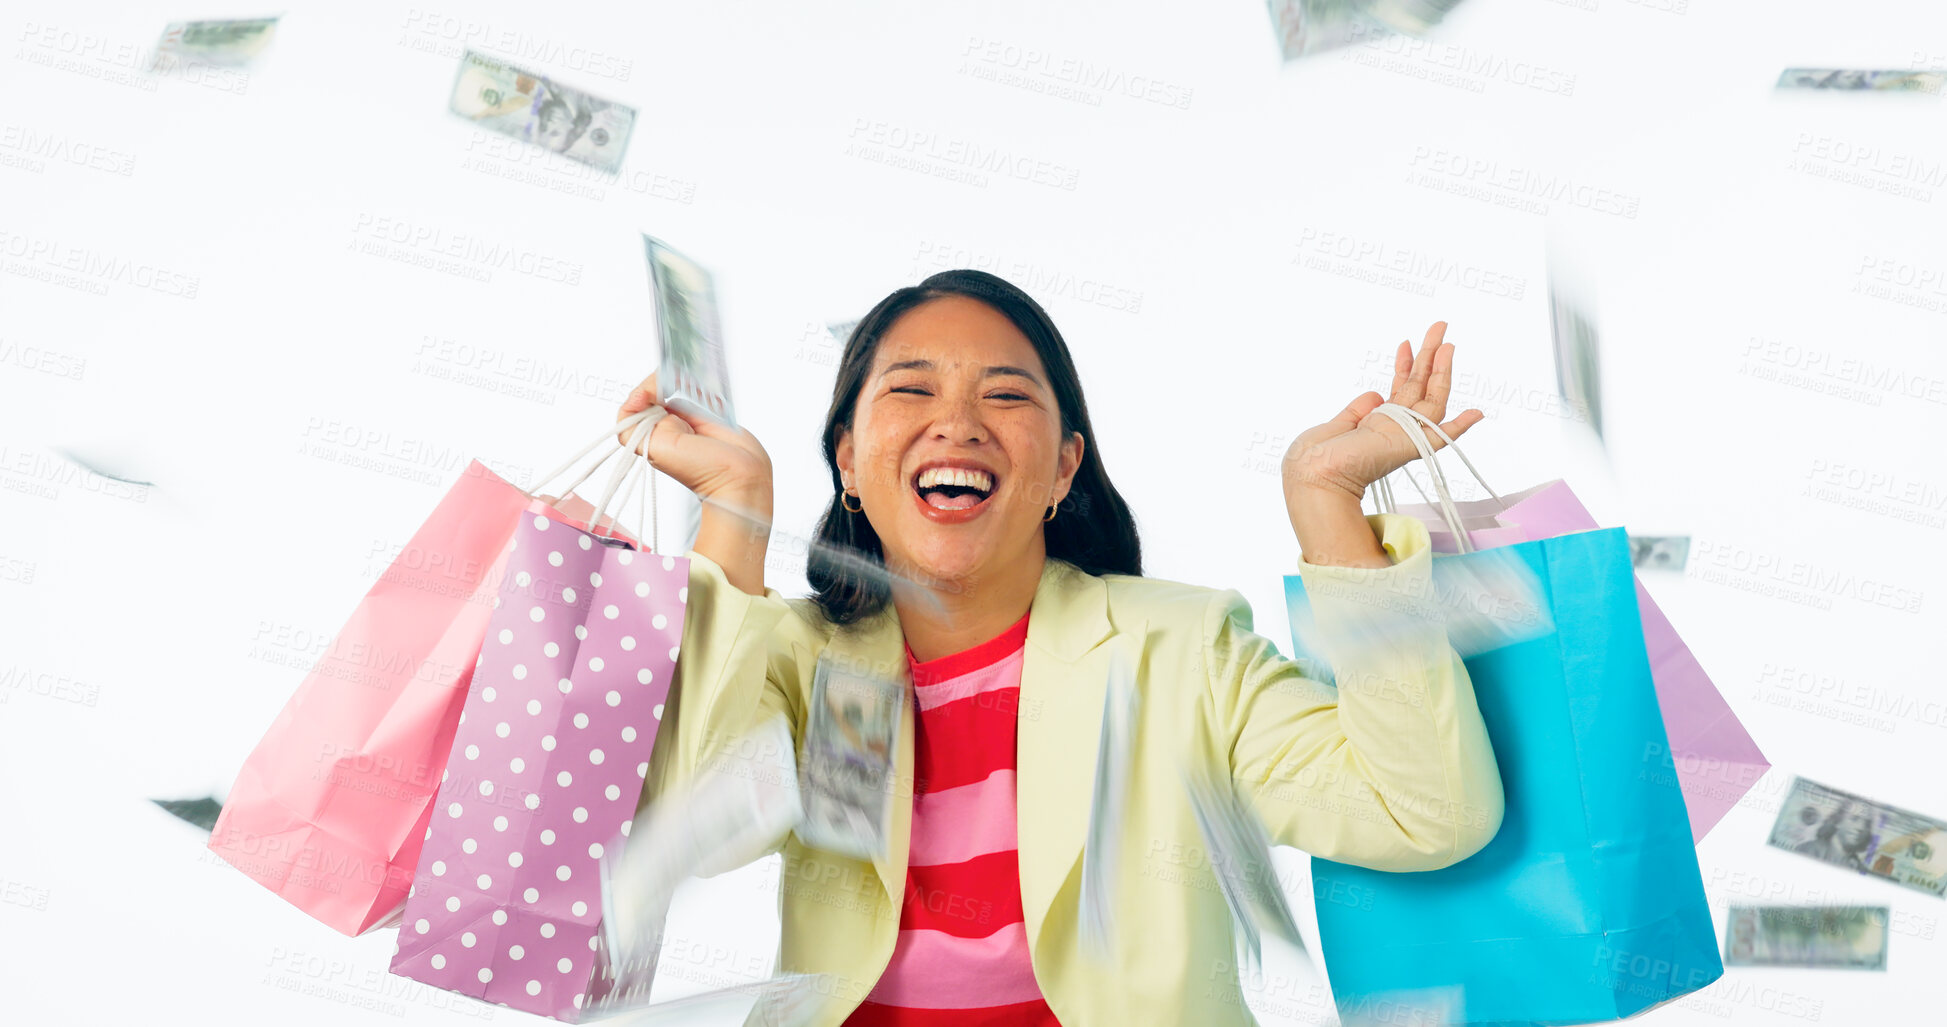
[(548, 765), (1714, 758), (331, 807)]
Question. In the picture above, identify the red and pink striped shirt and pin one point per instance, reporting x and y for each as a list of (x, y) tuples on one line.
[(962, 955)]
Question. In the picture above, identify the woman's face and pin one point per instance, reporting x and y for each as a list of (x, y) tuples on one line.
[(954, 384)]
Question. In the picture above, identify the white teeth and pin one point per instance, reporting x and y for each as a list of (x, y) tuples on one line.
[(956, 476)]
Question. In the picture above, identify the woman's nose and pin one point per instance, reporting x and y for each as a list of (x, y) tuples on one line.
[(959, 420)]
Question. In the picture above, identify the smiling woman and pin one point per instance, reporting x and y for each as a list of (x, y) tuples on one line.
[(975, 552), (962, 375)]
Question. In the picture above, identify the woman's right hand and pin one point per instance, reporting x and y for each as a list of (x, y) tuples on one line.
[(705, 457)]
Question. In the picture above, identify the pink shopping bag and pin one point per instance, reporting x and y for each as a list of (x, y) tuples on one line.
[(548, 766), (1714, 758), (331, 807)]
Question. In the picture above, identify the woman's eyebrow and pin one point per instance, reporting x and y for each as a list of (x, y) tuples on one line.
[(992, 372)]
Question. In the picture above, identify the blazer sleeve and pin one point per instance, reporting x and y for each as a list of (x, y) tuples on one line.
[(1391, 769), (741, 660)]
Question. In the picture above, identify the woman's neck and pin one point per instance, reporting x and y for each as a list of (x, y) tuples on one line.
[(942, 621)]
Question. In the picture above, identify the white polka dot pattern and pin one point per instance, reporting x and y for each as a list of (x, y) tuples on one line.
[(548, 791)]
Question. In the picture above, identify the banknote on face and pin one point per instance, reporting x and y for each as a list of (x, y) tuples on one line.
[(693, 377), (515, 102), (1863, 836), (847, 775), (214, 42), (1659, 552), (1829, 937), (1113, 756), (1240, 856), (1916, 81)]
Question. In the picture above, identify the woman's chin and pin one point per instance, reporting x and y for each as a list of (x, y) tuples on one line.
[(951, 564)]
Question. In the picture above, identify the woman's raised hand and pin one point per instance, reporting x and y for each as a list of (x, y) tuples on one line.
[(1359, 447), (707, 458)]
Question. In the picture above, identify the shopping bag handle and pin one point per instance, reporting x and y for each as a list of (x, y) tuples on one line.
[(627, 470), (1411, 421), (608, 436), (638, 424)]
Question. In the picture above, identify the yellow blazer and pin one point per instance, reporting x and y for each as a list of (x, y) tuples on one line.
[(1390, 769)]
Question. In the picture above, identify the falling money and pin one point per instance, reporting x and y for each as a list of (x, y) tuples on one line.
[(214, 42), (1833, 937), (1659, 552), (1862, 81), (1863, 836), (519, 103)]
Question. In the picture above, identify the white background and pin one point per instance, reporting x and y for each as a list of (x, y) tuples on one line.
[(1733, 235)]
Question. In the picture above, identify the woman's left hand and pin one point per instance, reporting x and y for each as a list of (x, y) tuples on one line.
[(1359, 447)]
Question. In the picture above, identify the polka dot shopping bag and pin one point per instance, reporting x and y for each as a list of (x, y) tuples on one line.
[(547, 767), (331, 807)]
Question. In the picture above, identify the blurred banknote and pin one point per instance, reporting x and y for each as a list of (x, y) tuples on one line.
[(99, 466), (1114, 751), (534, 109), (1918, 81), (1484, 602), (842, 330), (214, 42), (735, 810), (1412, 17), (847, 774), (1863, 836), (786, 1000), (1310, 26), (1577, 361), (1659, 552), (200, 812), (1489, 600), (1831, 937), (692, 376), (1240, 856), (1417, 1007)]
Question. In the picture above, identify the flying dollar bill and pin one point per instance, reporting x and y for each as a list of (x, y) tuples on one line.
[(214, 42), (1578, 368), (1860, 80), (786, 1000), (1412, 17), (1659, 552), (535, 109), (1830, 937), (1310, 26), (1114, 752), (693, 377), (847, 778), (97, 466), (842, 330), (200, 812), (1240, 855), (733, 812), (1863, 836)]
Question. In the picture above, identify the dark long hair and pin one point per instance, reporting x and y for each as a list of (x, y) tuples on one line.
[(1093, 528)]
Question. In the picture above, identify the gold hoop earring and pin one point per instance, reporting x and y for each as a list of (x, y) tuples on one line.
[(843, 496), (1049, 516)]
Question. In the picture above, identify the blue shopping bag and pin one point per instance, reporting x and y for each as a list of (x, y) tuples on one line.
[(1588, 905)]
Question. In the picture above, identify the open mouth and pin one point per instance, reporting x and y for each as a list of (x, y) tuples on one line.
[(953, 488)]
